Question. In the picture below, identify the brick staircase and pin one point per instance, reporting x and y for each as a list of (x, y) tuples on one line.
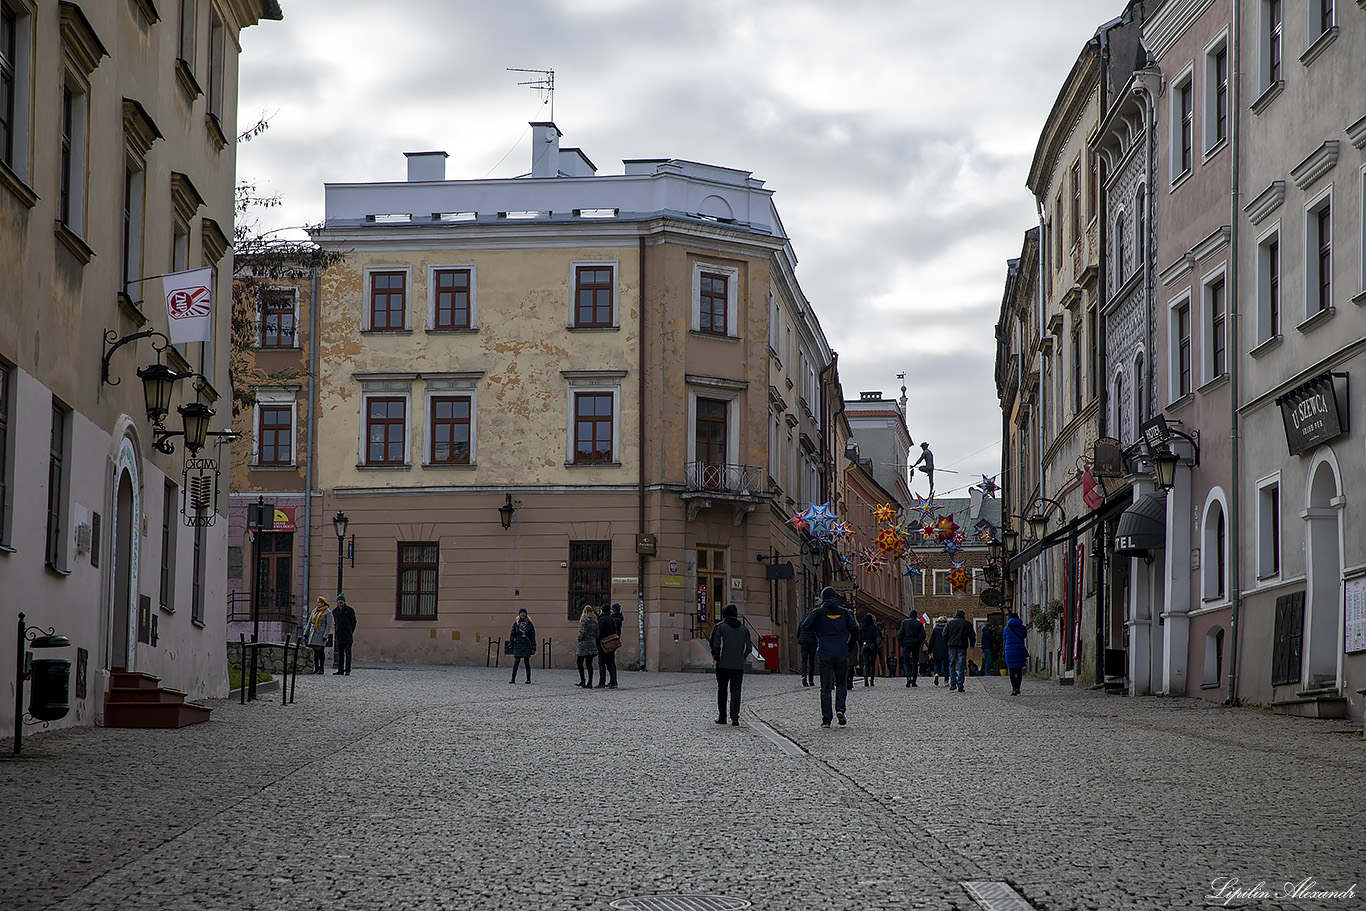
[(139, 701)]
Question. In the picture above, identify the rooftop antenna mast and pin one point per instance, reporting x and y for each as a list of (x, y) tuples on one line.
[(545, 85)]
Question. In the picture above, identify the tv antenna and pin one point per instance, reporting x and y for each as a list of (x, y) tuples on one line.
[(545, 85)]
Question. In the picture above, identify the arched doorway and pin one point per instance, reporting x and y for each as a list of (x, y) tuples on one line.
[(1323, 563), (121, 613)]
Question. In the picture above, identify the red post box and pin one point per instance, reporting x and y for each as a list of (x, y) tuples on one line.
[(768, 650)]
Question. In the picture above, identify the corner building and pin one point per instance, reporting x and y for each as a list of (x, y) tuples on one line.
[(554, 391)]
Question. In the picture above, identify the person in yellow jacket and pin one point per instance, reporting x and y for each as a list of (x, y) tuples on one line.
[(319, 633)]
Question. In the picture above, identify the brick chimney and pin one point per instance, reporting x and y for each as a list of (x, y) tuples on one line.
[(545, 150)]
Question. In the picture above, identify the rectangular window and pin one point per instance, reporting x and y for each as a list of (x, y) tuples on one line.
[(1271, 39), (1325, 17), (9, 45), (450, 430), (1268, 288), (941, 582), (1076, 372), (386, 424), (1058, 235), (277, 319), (417, 581), (216, 74), (1076, 202), (1186, 110), (197, 579), (56, 483), (276, 435), (1092, 186), (388, 300), (1216, 96), (185, 47), (168, 526), (132, 223), (593, 287), (1268, 529), (68, 156), (1093, 336), (592, 427), (713, 310), (1183, 350), (1218, 343), (1319, 294), (452, 299), (590, 575)]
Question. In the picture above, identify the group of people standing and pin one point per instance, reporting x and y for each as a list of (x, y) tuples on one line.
[(327, 626), (599, 637)]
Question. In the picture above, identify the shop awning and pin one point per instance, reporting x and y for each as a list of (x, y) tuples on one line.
[(1142, 527)]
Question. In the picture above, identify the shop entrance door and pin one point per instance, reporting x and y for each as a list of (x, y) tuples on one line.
[(711, 586)]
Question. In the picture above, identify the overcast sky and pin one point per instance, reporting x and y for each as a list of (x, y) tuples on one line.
[(896, 134)]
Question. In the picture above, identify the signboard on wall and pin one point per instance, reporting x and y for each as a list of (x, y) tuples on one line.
[(1310, 413), (1354, 614)]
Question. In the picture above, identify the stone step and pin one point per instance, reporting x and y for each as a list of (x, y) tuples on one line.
[(160, 694), (128, 680), (154, 714), (1333, 706)]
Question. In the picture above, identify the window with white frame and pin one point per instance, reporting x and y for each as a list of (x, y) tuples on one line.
[(16, 85), (131, 247), (1117, 407), (58, 487), (166, 599), (217, 72), (775, 431), (452, 419), (1140, 226), (1214, 333), (1270, 46), (72, 163), (275, 414), (1215, 120), (704, 395), (1321, 18), (774, 316), (1214, 550), (278, 318), (1183, 125), (386, 404), (452, 297), (6, 441), (1268, 325), (1318, 254), (185, 45), (595, 295), (594, 428), (386, 300), (1179, 344), (1269, 527), (1214, 657), (942, 585), (714, 301), (1121, 243), (1140, 387)]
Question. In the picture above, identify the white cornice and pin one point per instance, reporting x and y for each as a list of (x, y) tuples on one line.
[(1216, 240), (1183, 264), (1356, 133), (1268, 201), (1170, 22), (1318, 163)]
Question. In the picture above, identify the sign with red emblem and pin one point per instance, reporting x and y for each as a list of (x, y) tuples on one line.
[(189, 305)]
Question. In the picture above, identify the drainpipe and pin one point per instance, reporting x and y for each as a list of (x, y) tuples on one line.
[(1043, 386), (1234, 505), (640, 470), (314, 285)]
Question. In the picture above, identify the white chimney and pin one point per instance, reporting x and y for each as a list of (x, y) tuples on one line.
[(545, 150), (424, 166)]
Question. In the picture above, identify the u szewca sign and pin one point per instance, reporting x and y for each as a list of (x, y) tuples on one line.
[(1310, 413)]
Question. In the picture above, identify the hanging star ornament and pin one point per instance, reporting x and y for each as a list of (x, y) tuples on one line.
[(884, 513), (988, 486), (889, 542), (959, 577), (951, 547), (819, 518), (798, 521)]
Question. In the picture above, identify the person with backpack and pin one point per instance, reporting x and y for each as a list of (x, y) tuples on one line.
[(834, 628), (1015, 651), (911, 635), (730, 646), (870, 640)]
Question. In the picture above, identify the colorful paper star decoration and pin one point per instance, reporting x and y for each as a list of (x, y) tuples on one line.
[(959, 578), (988, 486), (884, 513)]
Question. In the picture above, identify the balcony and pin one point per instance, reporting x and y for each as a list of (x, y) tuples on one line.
[(741, 487)]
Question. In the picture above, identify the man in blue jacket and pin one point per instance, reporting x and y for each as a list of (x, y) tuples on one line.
[(833, 626)]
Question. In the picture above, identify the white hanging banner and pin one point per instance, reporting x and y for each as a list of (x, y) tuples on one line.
[(189, 304)]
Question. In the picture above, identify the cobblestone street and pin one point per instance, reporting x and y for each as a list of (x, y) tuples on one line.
[(437, 787)]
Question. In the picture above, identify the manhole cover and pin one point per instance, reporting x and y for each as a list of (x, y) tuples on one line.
[(994, 896), (680, 903)]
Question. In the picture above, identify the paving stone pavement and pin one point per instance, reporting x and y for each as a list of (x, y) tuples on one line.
[(447, 788)]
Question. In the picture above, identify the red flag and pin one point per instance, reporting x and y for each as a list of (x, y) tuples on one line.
[(1092, 493)]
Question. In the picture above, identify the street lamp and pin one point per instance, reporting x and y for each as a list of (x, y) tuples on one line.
[(505, 513), (1010, 539), (1038, 522), (158, 381), (1164, 467), (339, 526), (994, 548)]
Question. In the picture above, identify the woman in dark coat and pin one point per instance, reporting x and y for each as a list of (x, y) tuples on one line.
[(587, 645), (1015, 652), (523, 639), (939, 650), (870, 639)]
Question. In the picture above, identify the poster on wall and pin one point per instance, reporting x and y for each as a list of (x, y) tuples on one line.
[(1354, 614)]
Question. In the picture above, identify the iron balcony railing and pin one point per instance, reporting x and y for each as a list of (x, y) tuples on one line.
[(740, 480)]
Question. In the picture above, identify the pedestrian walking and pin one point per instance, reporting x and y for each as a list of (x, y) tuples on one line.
[(1015, 651), (806, 641), (608, 627), (344, 622), (939, 650), (959, 636), (991, 643), (523, 639), (320, 634), (730, 646), (834, 628), (587, 644), (870, 640), (911, 635)]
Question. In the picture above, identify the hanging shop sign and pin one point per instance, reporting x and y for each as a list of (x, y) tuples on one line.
[(1310, 412)]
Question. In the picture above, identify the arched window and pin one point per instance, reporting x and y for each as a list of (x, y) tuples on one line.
[(1214, 551), (1214, 657), (1140, 388), (1119, 249), (1140, 226)]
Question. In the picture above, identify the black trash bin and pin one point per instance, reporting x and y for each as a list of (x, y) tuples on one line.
[(49, 689)]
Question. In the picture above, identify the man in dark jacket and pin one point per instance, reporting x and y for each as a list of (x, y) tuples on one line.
[(608, 624), (730, 646), (959, 637), (989, 648), (806, 640), (833, 626), (345, 623), (911, 635)]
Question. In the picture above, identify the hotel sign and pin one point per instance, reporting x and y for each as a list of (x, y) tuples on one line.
[(1310, 413)]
